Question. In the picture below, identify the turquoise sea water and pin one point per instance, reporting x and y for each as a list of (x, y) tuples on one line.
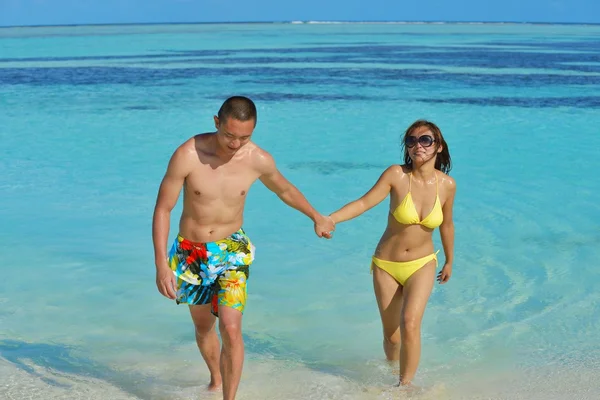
[(91, 114)]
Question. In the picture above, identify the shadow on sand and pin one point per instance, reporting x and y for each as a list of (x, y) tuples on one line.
[(60, 359)]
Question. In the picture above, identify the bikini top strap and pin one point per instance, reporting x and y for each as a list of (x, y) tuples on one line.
[(409, 181)]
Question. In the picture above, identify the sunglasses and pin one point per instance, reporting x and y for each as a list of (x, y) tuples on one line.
[(425, 141)]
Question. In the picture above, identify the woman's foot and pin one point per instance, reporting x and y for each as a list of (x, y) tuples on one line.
[(215, 385), (394, 366), (408, 386)]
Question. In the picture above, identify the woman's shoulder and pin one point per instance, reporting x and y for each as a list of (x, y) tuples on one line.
[(400, 169), (395, 174), (446, 180), (396, 170)]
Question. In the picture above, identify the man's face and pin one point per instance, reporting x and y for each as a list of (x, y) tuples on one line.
[(232, 134)]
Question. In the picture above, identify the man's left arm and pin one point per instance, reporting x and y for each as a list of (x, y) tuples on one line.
[(290, 195)]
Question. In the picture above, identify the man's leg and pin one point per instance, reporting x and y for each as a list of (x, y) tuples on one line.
[(232, 353), (208, 342)]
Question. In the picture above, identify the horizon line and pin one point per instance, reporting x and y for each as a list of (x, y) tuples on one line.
[(300, 22)]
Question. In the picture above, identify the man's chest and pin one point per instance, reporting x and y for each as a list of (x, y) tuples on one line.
[(224, 184)]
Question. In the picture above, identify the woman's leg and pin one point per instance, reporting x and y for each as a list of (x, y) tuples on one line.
[(389, 300), (416, 292)]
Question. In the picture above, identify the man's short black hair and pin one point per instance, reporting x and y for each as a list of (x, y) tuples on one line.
[(238, 107)]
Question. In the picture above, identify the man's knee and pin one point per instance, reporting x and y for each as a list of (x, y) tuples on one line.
[(204, 321), (203, 328), (231, 330)]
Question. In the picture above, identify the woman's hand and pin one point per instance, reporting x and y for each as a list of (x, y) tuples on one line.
[(445, 274)]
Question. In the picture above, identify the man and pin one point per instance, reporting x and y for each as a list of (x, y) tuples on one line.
[(208, 263)]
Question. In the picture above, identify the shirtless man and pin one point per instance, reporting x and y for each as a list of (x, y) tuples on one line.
[(208, 263)]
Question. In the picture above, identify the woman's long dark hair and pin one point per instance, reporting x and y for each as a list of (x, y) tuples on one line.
[(442, 160)]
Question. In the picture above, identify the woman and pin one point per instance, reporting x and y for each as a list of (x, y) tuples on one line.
[(404, 263)]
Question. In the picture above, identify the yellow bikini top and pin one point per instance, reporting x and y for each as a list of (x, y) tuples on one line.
[(406, 212)]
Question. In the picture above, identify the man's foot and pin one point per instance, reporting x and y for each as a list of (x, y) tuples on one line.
[(215, 385)]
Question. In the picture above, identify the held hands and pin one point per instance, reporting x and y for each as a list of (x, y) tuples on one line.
[(165, 281), (324, 226), (444, 274)]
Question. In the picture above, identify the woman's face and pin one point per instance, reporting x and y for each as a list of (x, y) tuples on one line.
[(422, 145)]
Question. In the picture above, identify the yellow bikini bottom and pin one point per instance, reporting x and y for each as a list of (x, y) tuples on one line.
[(402, 270)]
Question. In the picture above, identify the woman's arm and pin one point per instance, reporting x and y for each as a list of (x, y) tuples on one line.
[(374, 196), (447, 234)]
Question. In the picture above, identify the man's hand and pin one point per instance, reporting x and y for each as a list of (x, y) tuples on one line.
[(324, 226), (165, 281)]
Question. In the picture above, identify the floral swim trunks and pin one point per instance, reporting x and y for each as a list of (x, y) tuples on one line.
[(213, 272)]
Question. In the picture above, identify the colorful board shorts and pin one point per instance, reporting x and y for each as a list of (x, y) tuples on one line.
[(213, 272)]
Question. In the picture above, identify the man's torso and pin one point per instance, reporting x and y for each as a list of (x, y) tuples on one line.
[(214, 193)]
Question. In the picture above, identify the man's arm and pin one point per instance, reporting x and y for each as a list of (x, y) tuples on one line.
[(168, 193), (290, 195)]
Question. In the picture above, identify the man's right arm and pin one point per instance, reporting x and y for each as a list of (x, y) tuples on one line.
[(168, 193)]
